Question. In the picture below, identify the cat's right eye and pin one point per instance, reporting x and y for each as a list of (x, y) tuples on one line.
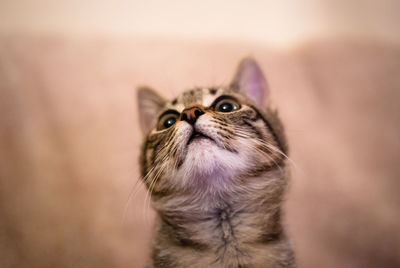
[(167, 120)]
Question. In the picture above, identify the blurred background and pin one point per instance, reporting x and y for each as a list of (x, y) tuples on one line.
[(69, 135)]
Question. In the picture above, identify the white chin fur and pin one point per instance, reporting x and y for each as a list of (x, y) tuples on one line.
[(209, 165)]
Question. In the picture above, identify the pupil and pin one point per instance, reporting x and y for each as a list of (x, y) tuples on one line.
[(226, 107), (169, 122)]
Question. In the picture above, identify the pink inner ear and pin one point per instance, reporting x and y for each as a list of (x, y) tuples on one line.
[(253, 84), (251, 81)]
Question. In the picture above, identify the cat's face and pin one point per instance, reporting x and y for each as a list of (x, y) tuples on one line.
[(208, 138)]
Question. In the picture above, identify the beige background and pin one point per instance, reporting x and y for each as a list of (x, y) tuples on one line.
[(283, 23), (69, 137)]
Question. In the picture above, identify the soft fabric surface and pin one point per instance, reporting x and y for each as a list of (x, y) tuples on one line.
[(70, 138)]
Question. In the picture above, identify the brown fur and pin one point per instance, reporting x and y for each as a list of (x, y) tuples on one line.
[(239, 226)]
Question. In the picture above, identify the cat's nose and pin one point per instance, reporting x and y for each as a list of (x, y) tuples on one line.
[(191, 114)]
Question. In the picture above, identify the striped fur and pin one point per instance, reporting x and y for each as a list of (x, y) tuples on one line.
[(218, 200)]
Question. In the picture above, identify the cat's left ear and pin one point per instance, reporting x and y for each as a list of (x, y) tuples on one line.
[(149, 104), (250, 81)]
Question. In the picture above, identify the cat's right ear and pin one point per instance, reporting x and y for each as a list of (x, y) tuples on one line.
[(149, 104)]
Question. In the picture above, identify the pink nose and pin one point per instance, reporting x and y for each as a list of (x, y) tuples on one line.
[(191, 114)]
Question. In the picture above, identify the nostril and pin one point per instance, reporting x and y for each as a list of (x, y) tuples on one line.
[(197, 112), (184, 117)]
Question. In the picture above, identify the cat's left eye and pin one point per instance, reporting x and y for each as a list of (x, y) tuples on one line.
[(227, 106)]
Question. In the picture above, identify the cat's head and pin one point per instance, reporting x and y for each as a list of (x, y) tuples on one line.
[(210, 138)]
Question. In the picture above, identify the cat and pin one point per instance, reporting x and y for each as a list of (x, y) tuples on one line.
[(214, 161)]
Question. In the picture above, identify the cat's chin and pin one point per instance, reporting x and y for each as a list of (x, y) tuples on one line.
[(199, 152), (198, 142), (206, 162)]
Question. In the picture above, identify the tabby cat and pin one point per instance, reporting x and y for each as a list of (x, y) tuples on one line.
[(215, 165)]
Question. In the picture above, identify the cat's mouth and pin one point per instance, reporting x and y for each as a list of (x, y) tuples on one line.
[(198, 136)]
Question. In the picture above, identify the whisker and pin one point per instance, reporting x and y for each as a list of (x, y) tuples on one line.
[(243, 134), (151, 187), (135, 189)]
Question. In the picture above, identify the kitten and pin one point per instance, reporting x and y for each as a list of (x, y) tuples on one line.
[(215, 165)]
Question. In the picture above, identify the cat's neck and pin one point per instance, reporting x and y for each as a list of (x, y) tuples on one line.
[(253, 205), (240, 193), (230, 227), (227, 228)]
